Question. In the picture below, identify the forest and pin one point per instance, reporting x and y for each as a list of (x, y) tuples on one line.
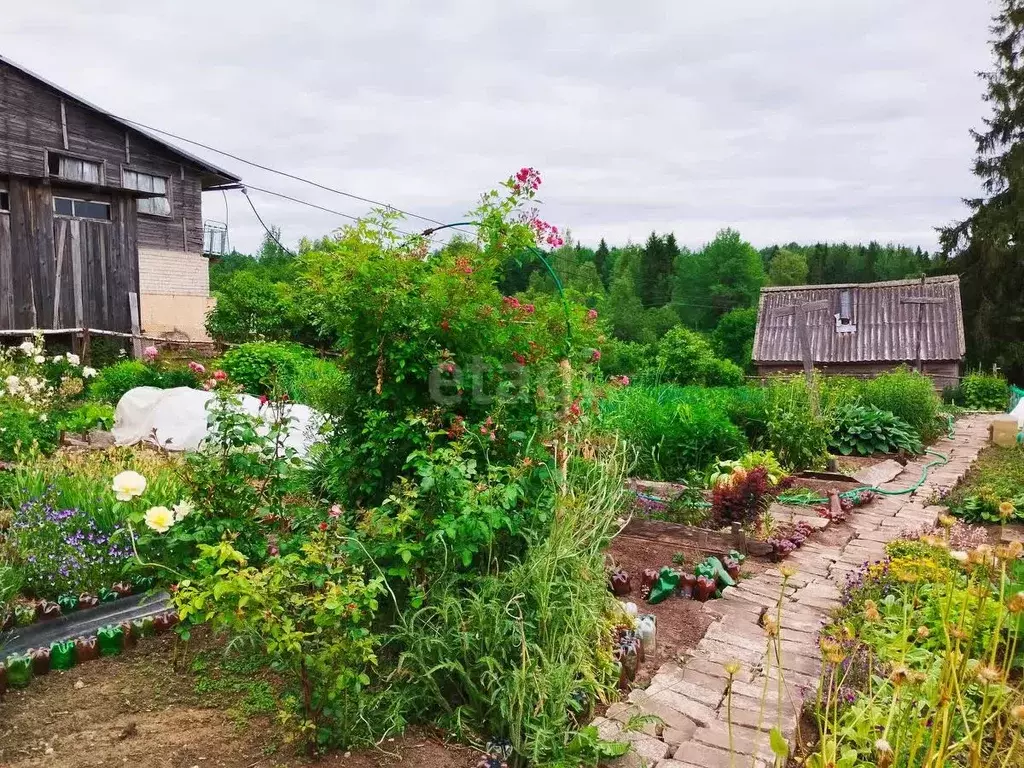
[(642, 292)]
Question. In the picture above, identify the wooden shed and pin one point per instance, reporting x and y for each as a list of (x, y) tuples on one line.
[(862, 329), (99, 220)]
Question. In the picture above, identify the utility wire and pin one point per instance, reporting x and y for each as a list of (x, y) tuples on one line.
[(293, 176), (270, 233)]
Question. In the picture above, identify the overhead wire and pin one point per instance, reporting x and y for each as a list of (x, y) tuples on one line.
[(285, 174)]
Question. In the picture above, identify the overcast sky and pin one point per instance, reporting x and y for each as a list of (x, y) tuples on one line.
[(789, 120)]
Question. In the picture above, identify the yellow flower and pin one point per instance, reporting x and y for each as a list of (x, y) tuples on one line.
[(947, 521), (160, 519), (128, 485), (1006, 510), (183, 509), (787, 572), (732, 668), (770, 626)]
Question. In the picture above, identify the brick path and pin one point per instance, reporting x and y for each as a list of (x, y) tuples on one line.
[(690, 697)]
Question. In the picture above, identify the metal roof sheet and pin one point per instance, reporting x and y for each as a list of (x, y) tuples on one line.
[(884, 315)]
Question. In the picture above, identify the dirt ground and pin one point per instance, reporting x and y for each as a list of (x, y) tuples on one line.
[(138, 710), (681, 622)]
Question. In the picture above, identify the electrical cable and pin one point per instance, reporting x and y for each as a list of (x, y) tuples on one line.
[(259, 218), (287, 175)]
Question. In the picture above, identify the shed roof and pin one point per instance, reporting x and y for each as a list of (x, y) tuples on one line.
[(214, 175), (883, 315)]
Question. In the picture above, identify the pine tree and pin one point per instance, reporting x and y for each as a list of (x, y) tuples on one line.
[(987, 248)]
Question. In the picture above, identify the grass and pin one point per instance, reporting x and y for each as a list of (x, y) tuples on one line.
[(997, 468), (236, 683)]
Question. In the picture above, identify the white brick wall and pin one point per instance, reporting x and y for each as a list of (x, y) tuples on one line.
[(173, 273)]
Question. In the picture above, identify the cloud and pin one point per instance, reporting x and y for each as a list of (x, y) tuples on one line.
[(791, 120)]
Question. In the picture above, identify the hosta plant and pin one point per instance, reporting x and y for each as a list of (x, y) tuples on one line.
[(864, 430)]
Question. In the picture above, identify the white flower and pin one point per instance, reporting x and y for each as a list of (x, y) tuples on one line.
[(13, 384), (43, 417), (73, 358), (183, 509), (883, 747), (56, 359), (88, 373), (128, 485), (39, 359), (959, 555), (28, 347), (160, 519)]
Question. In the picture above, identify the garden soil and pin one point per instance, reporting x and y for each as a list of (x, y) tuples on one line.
[(138, 710), (681, 623)]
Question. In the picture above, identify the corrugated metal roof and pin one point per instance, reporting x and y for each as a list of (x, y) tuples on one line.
[(886, 322), (204, 165)]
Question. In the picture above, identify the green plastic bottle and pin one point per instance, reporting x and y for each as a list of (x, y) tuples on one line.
[(19, 670), (62, 655), (110, 640)]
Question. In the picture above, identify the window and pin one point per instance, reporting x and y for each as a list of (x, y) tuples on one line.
[(144, 182), (74, 169), (81, 209), (5, 201)]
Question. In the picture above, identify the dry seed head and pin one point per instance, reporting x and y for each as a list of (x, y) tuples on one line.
[(947, 521), (988, 674), (771, 626), (899, 676), (871, 613), (1016, 604), (1006, 510), (1017, 713), (923, 632)]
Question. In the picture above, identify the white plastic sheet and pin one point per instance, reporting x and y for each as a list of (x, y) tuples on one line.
[(177, 419), (1018, 411)]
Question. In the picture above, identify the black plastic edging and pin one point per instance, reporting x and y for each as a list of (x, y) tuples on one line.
[(42, 634)]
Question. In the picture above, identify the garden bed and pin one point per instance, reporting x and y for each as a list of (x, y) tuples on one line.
[(141, 710)]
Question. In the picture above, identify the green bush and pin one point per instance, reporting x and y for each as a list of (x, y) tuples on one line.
[(24, 429), (908, 395), (252, 307), (111, 383), (262, 367), (87, 416), (627, 358), (865, 430), (984, 392), (322, 385), (686, 357), (794, 433), (674, 430)]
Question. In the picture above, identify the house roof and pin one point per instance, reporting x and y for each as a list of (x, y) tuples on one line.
[(884, 316), (214, 176)]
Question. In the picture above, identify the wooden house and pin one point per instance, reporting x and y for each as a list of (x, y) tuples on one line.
[(862, 329), (99, 220)]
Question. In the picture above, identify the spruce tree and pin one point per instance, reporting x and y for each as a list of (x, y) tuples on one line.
[(657, 264), (987, 248), (602, 262)]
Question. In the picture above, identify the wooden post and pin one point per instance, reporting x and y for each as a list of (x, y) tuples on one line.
[(85, 352), (133, 308), (800, 313)]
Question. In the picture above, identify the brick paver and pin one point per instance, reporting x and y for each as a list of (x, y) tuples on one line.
[(691, 696)]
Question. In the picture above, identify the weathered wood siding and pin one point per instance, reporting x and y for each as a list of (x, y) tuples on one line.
[(64, 272), (6, 285), (96, 268), (32, 121)]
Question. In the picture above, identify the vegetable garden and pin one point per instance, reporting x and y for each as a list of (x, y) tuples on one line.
[(441, 558)]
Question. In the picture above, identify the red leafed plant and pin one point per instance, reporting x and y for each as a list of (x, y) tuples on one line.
[(744, 495)]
